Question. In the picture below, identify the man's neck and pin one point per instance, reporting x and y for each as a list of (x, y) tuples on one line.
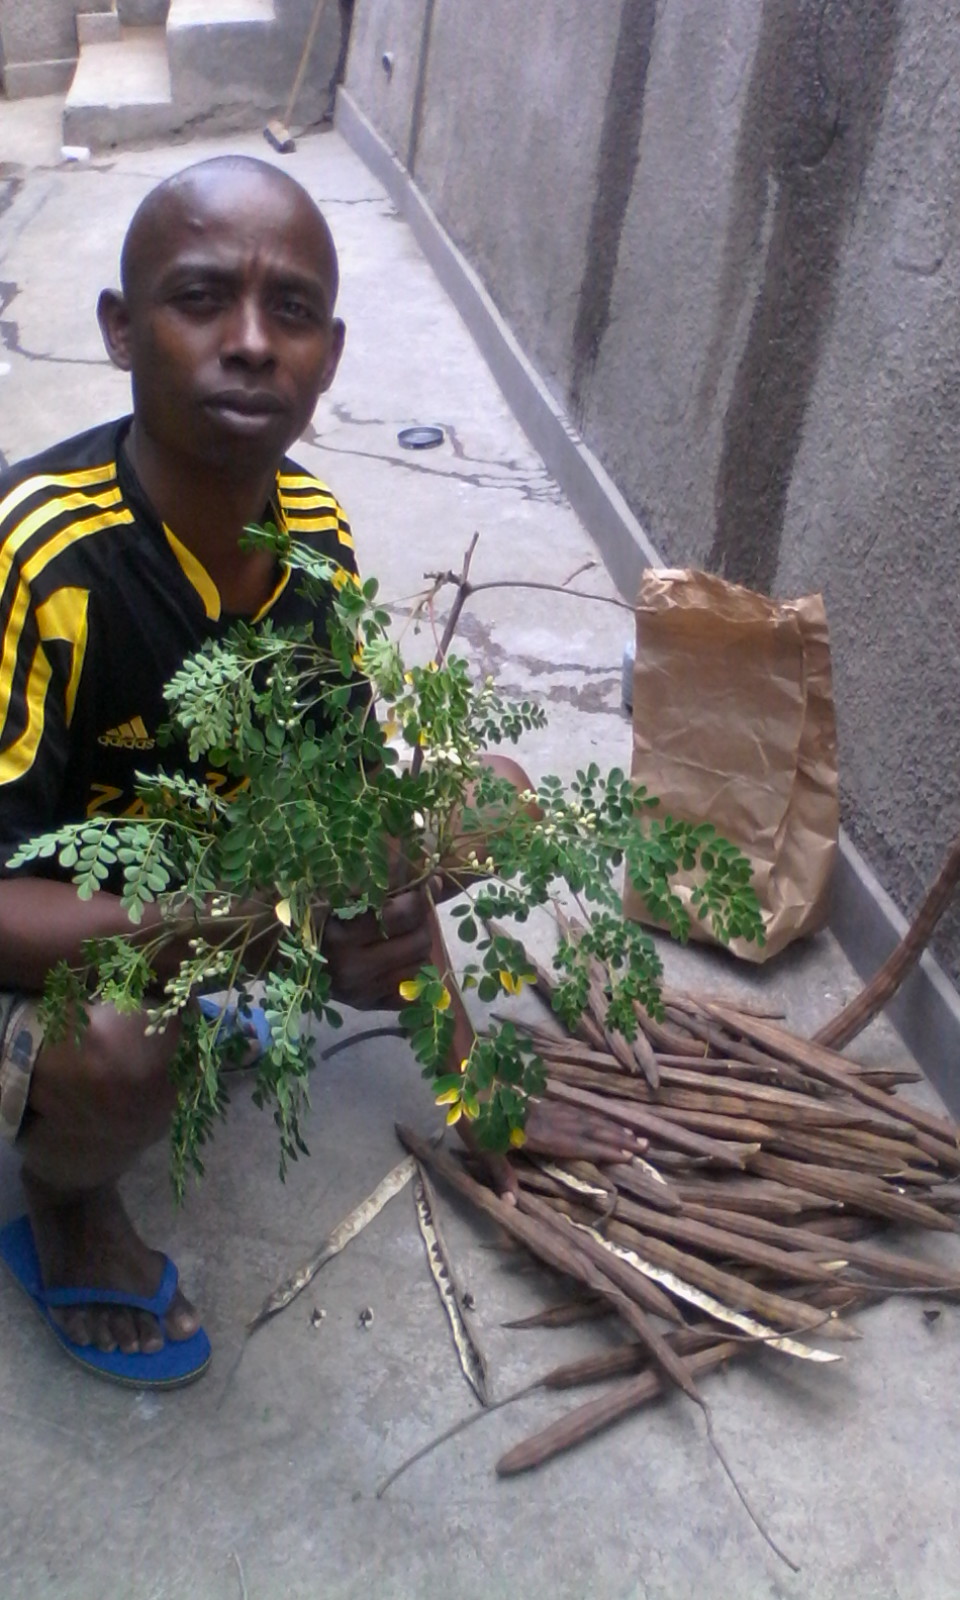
[(207, 508)]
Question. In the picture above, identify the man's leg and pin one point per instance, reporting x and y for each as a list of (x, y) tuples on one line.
[(92, 1110)]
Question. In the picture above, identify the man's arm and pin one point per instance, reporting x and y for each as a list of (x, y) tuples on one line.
[(43, 922)]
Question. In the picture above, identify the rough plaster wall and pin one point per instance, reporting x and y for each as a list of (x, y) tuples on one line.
[(724, 235), (381, 27), (41, 30), (507, 160), (873, 509), (640, 395)]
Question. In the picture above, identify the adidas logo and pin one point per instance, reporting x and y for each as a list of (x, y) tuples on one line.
[(130, 735)]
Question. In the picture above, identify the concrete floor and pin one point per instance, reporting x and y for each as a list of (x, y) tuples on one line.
[(260, 1481)]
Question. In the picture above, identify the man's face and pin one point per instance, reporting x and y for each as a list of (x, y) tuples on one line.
[(227, 326)]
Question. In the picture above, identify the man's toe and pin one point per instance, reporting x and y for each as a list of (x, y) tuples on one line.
[(75, 1324), (103, 1334), (123, 1326), (149, 1334), (182, 1320)]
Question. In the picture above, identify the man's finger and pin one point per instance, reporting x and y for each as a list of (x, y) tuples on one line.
[(405, 913)]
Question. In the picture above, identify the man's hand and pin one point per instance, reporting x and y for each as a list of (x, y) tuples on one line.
[(369, 956)]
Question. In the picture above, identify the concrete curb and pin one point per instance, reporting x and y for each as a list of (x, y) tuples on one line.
[(864, 919)]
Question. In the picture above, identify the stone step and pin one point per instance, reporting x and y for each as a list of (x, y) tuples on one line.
[(97, 27), (231, 61), (214, 13), (120, 91), (143, 13), (215, 64)]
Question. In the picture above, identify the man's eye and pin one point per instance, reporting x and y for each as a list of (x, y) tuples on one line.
[(197, 297), (296, 310)]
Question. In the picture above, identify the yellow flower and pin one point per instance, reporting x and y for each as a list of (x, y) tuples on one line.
[(444, 1000), (410, 988), (514, 985), (517, 1137), (459, 1104)]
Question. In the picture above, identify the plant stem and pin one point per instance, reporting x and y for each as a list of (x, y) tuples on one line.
[(551, 588), (887, 980), (459, 601)]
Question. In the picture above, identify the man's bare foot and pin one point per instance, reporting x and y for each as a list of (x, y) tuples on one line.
[(86, 1240)]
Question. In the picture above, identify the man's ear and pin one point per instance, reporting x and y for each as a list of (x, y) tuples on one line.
[(114, 319), (338, 334)]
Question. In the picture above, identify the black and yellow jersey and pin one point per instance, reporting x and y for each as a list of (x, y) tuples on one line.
[(100, 604)]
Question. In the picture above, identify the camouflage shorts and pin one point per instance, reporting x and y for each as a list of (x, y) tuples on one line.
[(21, 1035)]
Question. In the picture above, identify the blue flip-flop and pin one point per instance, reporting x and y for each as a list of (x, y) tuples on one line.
[(180, 1360), (250, 1022)]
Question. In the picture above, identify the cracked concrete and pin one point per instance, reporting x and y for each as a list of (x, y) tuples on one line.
[(510, 476), (261, 1480)]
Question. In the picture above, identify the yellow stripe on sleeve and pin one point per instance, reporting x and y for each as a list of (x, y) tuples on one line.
[(310, 502), (19, 758), (49, 512), (68, 480), (29, 572), (304, 480), (298, 492), (64, 616), (312, 524)]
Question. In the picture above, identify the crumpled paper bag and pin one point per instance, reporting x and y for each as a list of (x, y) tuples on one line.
[(734, 724)]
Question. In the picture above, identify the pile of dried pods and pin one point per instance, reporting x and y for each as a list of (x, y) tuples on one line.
[(714, 1183)]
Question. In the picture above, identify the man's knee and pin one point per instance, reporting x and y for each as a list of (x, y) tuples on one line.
[(131, 1068), (116, 1082)]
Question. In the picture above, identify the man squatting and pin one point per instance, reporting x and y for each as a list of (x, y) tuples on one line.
[(119, 556)]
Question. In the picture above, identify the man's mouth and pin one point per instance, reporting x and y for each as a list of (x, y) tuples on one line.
[(245, 403)]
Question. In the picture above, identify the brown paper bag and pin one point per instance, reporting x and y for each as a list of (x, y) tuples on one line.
[(733, 723)]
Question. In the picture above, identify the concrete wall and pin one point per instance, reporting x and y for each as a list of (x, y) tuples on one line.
[(723, 234), (38, 43), (248, 67)]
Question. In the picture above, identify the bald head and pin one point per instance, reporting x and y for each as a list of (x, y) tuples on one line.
[(226, 318), (232, 186)]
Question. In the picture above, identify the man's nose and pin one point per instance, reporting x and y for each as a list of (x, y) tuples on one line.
[(247, 336)]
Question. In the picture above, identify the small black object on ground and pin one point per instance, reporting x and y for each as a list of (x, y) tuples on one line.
[(420, 438)]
